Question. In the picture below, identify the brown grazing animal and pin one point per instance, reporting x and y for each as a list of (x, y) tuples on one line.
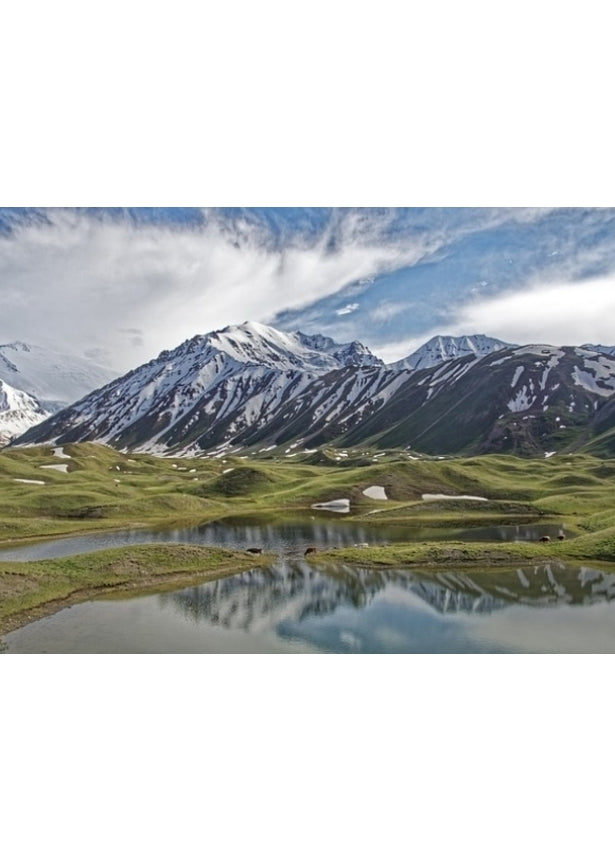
[(310, 550)]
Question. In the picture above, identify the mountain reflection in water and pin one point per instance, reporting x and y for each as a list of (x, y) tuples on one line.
[(296, 606), (259, 597)]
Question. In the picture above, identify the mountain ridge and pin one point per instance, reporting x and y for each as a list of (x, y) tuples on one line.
[(251, 385)]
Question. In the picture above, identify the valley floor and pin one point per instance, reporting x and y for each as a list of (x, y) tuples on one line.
[(99, 489)]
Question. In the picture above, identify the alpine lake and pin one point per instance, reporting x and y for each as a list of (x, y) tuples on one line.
[(351, 592), (297, 604)]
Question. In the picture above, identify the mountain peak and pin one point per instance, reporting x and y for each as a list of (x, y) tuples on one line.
[(443, 348), (209, 389), (256, 343), (18, 346)]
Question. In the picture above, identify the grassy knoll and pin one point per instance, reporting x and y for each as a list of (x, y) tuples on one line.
[(104, 489), (597, 548), (29, 590)]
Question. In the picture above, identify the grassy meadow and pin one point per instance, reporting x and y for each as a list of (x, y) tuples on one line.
[(98, 488)]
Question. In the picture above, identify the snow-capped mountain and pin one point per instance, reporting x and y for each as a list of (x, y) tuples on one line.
[(54, 378), (354, 354), (257, 344), (253, 386), (18, 412), (209, 391), (443, 348), (523, 400), (526, 400)]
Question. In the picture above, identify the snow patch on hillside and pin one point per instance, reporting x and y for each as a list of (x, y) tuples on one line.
[(521, 401), (518, 371), (376, 491), (598, 375)]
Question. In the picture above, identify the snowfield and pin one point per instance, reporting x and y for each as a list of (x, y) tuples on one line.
[(59, 452), (376, 491)]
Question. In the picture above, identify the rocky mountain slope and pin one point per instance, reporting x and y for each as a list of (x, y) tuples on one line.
[(526, 400), (209, 391), (253, 386)]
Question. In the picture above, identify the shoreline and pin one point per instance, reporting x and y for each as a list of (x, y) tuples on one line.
[(139, 569), (151, 568), (467, 554)]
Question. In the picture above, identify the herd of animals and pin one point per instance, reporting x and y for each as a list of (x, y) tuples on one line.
[(309, 550), (560, 537)]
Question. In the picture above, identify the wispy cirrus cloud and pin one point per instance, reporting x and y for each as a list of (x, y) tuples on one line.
[(122, 289), (385, 311), (133, 290)]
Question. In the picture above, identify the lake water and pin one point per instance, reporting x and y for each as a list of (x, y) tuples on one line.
[(296, 606), (280, 535)]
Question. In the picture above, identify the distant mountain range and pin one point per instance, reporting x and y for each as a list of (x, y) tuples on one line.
[(37, 381), (54, 378), (252, 387)]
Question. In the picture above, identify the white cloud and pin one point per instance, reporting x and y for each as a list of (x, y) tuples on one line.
[(123, 292), (568, 313), (100, 284), (558, 313), (348, 309)]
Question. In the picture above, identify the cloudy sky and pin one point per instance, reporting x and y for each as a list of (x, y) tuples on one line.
[(121, 285)]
